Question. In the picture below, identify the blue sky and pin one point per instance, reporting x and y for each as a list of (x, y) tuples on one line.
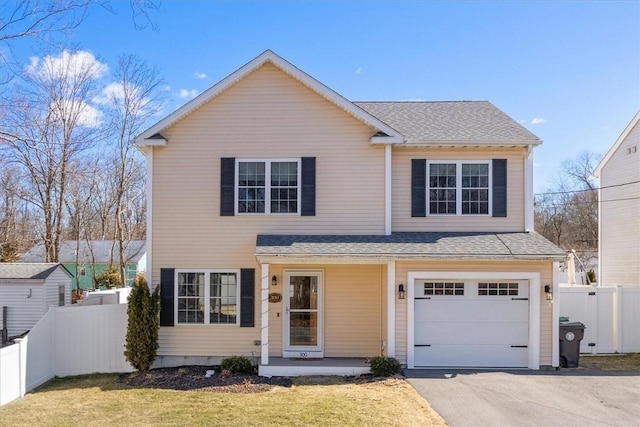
[(568, 71)]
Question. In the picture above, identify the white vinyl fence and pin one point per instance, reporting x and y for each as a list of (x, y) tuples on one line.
[(67, 341), (611, 316)]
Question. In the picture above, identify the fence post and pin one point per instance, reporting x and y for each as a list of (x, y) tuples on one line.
[(22, 364)]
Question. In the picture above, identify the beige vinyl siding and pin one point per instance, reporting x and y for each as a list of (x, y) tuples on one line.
[(620, 219), (545, 268), (267, 115), (401, 215)]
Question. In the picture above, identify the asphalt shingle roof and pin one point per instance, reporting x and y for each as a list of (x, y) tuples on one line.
[(102, 251), (27, 270), (489, 246), (450, 122)]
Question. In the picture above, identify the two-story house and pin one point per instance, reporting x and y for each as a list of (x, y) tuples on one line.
[(289, 223)]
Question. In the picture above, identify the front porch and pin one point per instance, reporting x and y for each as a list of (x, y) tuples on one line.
[(282, 367)]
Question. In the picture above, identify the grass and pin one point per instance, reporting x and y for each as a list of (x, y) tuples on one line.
[(613, 362), (101, 400)]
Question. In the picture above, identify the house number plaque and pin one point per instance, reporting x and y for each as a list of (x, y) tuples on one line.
[(275, 297)]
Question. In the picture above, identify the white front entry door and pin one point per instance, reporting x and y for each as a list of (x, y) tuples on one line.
[(303, 319)]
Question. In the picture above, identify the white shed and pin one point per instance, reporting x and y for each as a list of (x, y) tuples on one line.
[(28, 290)]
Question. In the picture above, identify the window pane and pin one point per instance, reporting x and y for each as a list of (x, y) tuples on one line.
[(284, 181), (442, 188), (475, 188), (223, 298)]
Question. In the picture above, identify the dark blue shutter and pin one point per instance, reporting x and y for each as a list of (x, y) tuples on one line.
[(418, 187), (166, 296), (227, 181), (308, 173), (247, 297), (499, 187)]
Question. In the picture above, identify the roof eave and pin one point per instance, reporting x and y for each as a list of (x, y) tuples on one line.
[(598, 170), (473, 143)]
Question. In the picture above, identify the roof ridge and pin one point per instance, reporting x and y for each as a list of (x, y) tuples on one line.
[(419, 102)]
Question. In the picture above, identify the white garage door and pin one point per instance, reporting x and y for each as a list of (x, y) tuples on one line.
[(471, 323)]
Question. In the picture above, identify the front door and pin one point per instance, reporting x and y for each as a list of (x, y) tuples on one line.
[(303, 314)]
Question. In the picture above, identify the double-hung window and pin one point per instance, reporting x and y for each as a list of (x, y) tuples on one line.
[(268, 186), (458, 187), (208, 297)]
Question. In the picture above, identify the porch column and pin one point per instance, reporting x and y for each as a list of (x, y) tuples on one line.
[(264, 298), (391, 309)]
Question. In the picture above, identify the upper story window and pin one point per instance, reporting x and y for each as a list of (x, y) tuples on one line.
[(268, 186), (458, 188)]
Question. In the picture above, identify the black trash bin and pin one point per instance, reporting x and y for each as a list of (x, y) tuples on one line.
[(571, 333)]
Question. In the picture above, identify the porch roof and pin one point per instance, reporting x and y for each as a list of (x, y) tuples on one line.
[(397, 246)]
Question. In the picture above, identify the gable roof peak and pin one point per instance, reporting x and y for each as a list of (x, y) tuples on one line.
[(146, 138)]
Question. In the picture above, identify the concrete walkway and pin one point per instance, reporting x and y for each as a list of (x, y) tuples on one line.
[(531, 398)]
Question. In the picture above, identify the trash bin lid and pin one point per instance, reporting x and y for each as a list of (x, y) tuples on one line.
[(573, 325)]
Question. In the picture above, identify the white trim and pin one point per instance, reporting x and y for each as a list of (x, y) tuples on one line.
[(598, 170), (264, 310), (555, 325), (302, 370), (149, 224), (534, 305), (270, 57), (207, 295), (387, 190), (528, 191), (302, 351), (458, 188), (267, 184), (391, 309)]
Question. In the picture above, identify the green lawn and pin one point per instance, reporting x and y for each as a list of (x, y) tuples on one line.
[(101, 400)]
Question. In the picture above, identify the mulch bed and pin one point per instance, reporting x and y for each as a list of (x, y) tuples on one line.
[(192, 378)]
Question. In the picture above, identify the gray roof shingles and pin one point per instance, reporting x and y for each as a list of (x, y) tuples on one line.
[(102, 251), (412, 245), (27, 270), (450, 122)]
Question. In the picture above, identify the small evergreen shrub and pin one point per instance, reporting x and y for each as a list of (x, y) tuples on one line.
[(237, 365), (143, 323), (592, 276), (382, 366), (110, 278)]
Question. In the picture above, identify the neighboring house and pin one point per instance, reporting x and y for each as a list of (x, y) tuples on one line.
[(619, 210), (288, 223), (88, 259), (28, 290)]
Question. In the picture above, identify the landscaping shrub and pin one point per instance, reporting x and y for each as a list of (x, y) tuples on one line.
[(382, 366), (110, 278), (237, 365), (143, 322), (592, 276)]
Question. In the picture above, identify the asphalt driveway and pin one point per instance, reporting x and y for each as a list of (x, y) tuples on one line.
[(531, 398)]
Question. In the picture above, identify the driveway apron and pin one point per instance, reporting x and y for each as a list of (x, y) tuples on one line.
[(531, 398)]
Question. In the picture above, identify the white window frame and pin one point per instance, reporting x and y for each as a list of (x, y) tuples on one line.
[(458, 187), (207, 295), (267, 196)]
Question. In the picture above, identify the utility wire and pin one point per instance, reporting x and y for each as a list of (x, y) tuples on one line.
[(585, 190)]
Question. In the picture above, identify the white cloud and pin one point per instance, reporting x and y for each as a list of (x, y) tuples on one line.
[(84, 113), (522, 121), (69, 65), (359, 70), (538, 121), (186, 93), (199, 75)]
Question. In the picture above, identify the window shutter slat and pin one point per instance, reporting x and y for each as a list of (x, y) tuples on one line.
[(166, 296), (227, 181), (247, 297), (308, 173), (499, 187), (418, 187)]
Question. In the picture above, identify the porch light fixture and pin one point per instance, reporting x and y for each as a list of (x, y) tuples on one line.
[(549, 292), (274, 280), (401, 291)]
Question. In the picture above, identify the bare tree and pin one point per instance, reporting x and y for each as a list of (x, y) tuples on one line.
[(567, 213), (53, 123), (134, 98)]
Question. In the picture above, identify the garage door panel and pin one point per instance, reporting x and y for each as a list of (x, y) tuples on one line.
[(475, 333), (490, 356), (474, 310), (479, 327)]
